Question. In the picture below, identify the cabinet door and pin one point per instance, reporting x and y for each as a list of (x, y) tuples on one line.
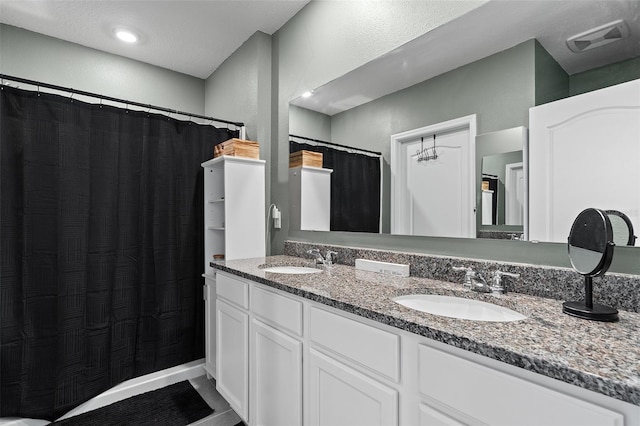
[(210, 326), (339, 395), (496, 398), (232, 341), (276, 377), (432, 417)]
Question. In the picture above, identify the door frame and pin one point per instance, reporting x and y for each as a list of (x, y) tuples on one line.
[(398, 196)]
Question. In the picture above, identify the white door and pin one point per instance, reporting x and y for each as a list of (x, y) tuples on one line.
[(341, 396), (276, 377), (434, 197), (584, 152), (232, 356), (514, 194)]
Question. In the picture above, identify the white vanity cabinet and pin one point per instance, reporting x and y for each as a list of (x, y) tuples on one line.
[(455, 388), (259, 352), (352, 371), (286, 360), (275, 362), (232, 342)]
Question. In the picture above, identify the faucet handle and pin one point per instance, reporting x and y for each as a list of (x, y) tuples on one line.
[(331, 257), (468, 276), (497, 280)]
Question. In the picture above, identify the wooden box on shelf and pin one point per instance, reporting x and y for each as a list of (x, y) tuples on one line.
[(305, 158), (237, 148)]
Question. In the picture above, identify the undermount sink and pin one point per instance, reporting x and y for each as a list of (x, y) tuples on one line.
[(458, 307), (292, 270)]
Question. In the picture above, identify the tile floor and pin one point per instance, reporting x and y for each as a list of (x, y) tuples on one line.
[(223, 415)]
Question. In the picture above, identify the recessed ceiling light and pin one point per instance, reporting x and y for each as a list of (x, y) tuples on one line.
[(126, 36), (307, 94)]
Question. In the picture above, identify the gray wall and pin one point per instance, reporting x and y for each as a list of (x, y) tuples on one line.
[(240, 90), (37, 57), (604, 76), (552, 82), (310, 124)]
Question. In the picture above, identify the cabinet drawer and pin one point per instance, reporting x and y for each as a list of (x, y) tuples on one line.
[(233, 290), (283, 312), (497, 398), (368, 346)]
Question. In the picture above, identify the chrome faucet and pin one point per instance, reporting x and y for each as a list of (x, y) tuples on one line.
[(315, 253), (327, 260), (473, 280), (497, 287)]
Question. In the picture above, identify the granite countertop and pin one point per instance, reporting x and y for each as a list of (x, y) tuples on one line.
[(602, 357)]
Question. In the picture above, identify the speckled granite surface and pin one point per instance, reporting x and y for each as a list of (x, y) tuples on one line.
[(617, 290), (602, 357)]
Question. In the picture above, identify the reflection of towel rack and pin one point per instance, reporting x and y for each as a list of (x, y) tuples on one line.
[(426, 154)]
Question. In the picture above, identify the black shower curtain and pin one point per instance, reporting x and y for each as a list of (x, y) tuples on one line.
[(102, 248), (355, 187)]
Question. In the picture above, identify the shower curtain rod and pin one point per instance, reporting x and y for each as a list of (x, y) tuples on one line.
[(109, 98), (336, 144)]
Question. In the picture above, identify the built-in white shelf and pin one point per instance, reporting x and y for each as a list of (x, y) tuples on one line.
[(234, 212)]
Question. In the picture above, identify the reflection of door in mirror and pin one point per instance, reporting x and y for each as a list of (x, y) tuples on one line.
[(489, 199), (514, 194), (584, 152), (504, 174), (503, 155), (433, 194)]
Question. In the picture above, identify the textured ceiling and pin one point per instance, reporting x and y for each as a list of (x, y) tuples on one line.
[(191, 37)]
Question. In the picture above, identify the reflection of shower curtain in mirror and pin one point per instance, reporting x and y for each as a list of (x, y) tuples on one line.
[(355, 188)]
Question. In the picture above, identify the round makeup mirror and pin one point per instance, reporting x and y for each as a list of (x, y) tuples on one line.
[(591, 251), (622, 228)]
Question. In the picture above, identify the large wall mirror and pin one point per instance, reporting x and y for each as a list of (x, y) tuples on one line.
[(519, 57)]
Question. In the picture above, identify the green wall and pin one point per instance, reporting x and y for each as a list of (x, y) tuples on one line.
[(606, 76), (552, 82)]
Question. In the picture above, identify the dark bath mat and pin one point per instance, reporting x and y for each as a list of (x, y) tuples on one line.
[(178, 404)]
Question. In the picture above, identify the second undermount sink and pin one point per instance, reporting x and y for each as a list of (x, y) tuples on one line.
[(458, 307), (292, 270)]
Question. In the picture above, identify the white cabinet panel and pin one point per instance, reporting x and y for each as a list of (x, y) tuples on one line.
[(368, 346), (276, 377), (339, 395), (232, 352), (432, 417), (283, 312), (233, 290), (210, 325), (497, 398)]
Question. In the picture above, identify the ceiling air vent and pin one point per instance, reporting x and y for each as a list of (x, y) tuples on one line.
[(596, 37)]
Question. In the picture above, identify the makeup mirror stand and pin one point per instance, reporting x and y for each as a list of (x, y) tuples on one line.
[(591, 251)]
